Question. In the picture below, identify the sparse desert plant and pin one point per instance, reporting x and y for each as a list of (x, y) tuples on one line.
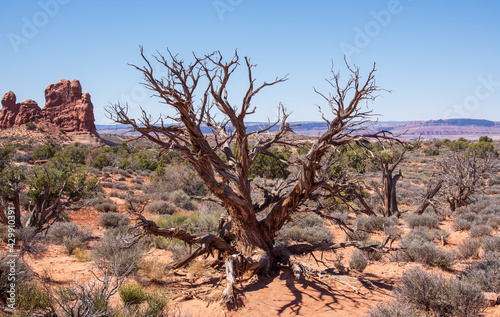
[(425, 220), (468, 248), (480, 230), (132, 294), (181, 199), (491, 244), (33, 300), (113, 220), (357, 235), (63, 230), (73, 243), (442, 297), (105, 206), (461, 225), (161, 208), (396, 308), (424, 252), (309, 228), (82, 254), (358, 260), (374, 223), (484, 272), (115, 252)]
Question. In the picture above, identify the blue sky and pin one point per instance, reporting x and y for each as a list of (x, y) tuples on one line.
[(440, 59)]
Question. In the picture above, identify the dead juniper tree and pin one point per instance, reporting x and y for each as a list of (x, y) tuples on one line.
[(463, 173), (197, 90), (387, 160)]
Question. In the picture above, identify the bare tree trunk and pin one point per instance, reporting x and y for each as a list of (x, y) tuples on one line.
[(431, 192)]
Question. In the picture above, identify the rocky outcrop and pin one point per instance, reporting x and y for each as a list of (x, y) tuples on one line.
[(13, 114), (65, 106)]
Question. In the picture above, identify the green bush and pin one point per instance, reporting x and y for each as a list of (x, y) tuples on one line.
[(33, 299), (100, 161), (270, 167), (132, 294), (46, 151), (30, 126)]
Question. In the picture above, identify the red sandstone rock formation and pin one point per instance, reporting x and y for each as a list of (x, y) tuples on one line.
[(65, 106)]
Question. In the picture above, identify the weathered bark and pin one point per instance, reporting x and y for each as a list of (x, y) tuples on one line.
[(388, 194), (430, 193)]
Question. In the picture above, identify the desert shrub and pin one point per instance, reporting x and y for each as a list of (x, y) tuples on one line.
[(439, 296), (81, 254), (157, 304), (73, 243), (132, 294), (138, 180), (137, 187), (63, 230), (424, 252), (431, 151), (468, 248), (396, 308), (484, 273), (493, 221), (113, 220), (121, 179), (105, 206), (374, 223), (107, 184), (358, 260), (100, 161), (461, 225), (491, 244), (115, 254), (30, 126), (425, 220), (32, 299), (46, 151), (181, 199), (469, 216), (269, 167), (176, 177), (120, 186), (308, 228), (357, 235), (161, 208), (480, 230)]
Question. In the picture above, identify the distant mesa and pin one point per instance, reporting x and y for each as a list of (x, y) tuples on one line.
[(65, 107)]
